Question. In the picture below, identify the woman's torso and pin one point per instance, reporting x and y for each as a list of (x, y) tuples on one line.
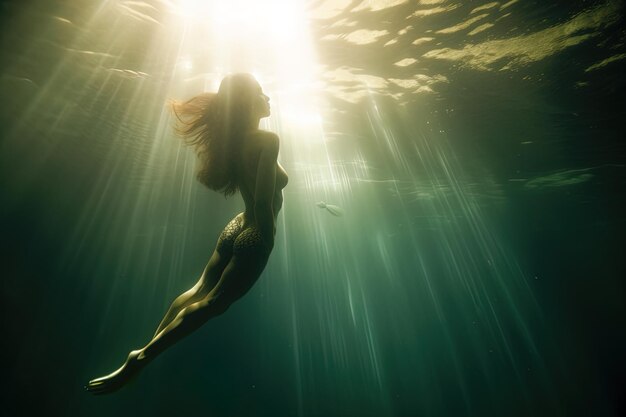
[(250, 153)]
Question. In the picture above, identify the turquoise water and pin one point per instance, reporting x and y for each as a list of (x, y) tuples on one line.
[(475, 149)]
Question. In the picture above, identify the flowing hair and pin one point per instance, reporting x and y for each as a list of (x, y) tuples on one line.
[(214, 125)]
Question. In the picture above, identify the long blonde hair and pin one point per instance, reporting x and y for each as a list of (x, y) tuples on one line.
[(214, 125)]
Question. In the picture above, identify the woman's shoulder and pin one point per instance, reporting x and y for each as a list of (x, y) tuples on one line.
[(265, 139), (264, 136), (260, 145)]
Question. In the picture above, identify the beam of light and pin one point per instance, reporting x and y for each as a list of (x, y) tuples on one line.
[(355, 293), (271, 40), (470, 268)]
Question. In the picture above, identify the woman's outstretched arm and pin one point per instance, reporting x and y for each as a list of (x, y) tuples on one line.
[(264, 189)]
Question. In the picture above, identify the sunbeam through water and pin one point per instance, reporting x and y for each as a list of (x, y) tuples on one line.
[(451, 192)]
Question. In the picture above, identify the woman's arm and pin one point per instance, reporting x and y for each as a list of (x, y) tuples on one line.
[(264, 188)]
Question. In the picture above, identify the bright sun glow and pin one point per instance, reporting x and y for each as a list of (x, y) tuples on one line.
[(271, 40), (277, 19)]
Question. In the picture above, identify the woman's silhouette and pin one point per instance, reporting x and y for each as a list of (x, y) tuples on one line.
[(234, 155)]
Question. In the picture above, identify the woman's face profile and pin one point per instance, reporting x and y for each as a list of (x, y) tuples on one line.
[(262, 103)]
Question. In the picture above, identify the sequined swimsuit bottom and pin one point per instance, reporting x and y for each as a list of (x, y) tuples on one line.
[(237, 240)]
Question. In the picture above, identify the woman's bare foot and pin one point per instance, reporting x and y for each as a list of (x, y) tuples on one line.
[(116, 380)]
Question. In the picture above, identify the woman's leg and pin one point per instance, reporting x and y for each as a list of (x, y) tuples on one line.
[(210, 276), (237, 278)]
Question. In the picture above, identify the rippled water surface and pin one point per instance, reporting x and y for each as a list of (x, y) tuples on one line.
[(451, 241)]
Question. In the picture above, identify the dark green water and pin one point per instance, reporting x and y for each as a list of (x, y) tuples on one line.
[(476, 149)]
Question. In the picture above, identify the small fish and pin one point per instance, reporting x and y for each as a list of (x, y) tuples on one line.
[(22, 80), (332, 209), (62, 19)]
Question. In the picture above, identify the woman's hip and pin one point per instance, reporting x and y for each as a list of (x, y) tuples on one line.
[(236, 239), (228, 236), (250, 242)]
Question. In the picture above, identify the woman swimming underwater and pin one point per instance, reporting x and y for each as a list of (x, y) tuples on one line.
[(235, 155)]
